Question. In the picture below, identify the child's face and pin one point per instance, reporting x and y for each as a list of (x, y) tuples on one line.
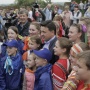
[(30, 62), (11, 34), (33, 45), (57, 49), (73, 34), (72, 59), (82, 71), (11, 51), (33, 30), (39, 61)]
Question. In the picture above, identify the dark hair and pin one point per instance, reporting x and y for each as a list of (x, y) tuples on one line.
[(15, 29), (86, 57), (36, 39), (50, 25), (65, 43)]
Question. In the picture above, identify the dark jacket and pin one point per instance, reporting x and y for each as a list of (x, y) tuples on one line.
[(51, 46), (13, 81), (43, 80), (23, 31)]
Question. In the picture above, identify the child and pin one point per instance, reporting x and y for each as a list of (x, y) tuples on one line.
[(42, 74), (83, 70), (29, 77), (12, 67), (12, 33), (60, 69), (34, 29), (72, 81), (76, 34), (34, 43)]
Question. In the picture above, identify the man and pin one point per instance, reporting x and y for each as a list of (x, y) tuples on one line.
[(48, 31), (23, 24), (48, 12), (76, 15)]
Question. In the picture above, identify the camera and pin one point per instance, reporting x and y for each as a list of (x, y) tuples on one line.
[(35, 5), (10, 20)]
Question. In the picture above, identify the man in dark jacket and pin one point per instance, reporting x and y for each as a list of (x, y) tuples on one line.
[(48, 34), (23, 24)]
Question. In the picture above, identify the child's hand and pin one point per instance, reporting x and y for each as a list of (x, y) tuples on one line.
[(76, 75)]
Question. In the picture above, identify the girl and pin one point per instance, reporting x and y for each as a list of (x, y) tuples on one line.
[(12, 33), (12, 67), (84, 21), (34, 29), (29, 77), (76, 33), (59, 20), (60, 69), (34, 43), (72, 81)]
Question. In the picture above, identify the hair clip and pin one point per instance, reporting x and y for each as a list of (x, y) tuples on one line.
[(84, 28)]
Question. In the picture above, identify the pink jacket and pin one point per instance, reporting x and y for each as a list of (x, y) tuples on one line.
[(29, 78)]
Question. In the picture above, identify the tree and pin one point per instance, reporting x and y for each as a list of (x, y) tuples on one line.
[(48, 1), (24, 2)]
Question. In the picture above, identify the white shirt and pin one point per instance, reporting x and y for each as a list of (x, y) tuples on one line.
[(75, 17), (30, 15)]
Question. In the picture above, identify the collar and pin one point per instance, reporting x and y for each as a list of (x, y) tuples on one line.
[(46, 42)]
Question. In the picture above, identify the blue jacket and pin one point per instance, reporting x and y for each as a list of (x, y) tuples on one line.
[(43, 80), (13, 81), (20, 48)]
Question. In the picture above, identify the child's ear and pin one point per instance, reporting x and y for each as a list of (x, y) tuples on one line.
[(45, 61), (64, 50)]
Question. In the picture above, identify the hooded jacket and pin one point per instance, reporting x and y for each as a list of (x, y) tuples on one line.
[(43, 80)]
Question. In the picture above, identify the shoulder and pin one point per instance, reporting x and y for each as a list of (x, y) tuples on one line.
[(29, 76), (45, 76)]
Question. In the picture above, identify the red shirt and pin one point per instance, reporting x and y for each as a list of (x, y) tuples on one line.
[(82, 86)]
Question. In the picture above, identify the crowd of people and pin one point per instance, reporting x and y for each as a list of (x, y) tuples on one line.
[(45, 49)]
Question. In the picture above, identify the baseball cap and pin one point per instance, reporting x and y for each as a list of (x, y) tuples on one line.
[(43, 53), (11, 43)]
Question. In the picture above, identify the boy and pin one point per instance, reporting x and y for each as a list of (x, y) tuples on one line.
[(43, 75), (11, 67), (83, 70)]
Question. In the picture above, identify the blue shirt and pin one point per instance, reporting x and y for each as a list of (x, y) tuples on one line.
[(48, 43)]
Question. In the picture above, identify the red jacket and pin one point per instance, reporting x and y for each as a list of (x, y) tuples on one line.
[(82, 86)]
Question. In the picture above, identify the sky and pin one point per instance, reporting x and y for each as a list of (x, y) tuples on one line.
[(61, 0), (6, 1), (12, 1)]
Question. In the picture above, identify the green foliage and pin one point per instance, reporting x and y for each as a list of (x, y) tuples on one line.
[(24, 2)]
